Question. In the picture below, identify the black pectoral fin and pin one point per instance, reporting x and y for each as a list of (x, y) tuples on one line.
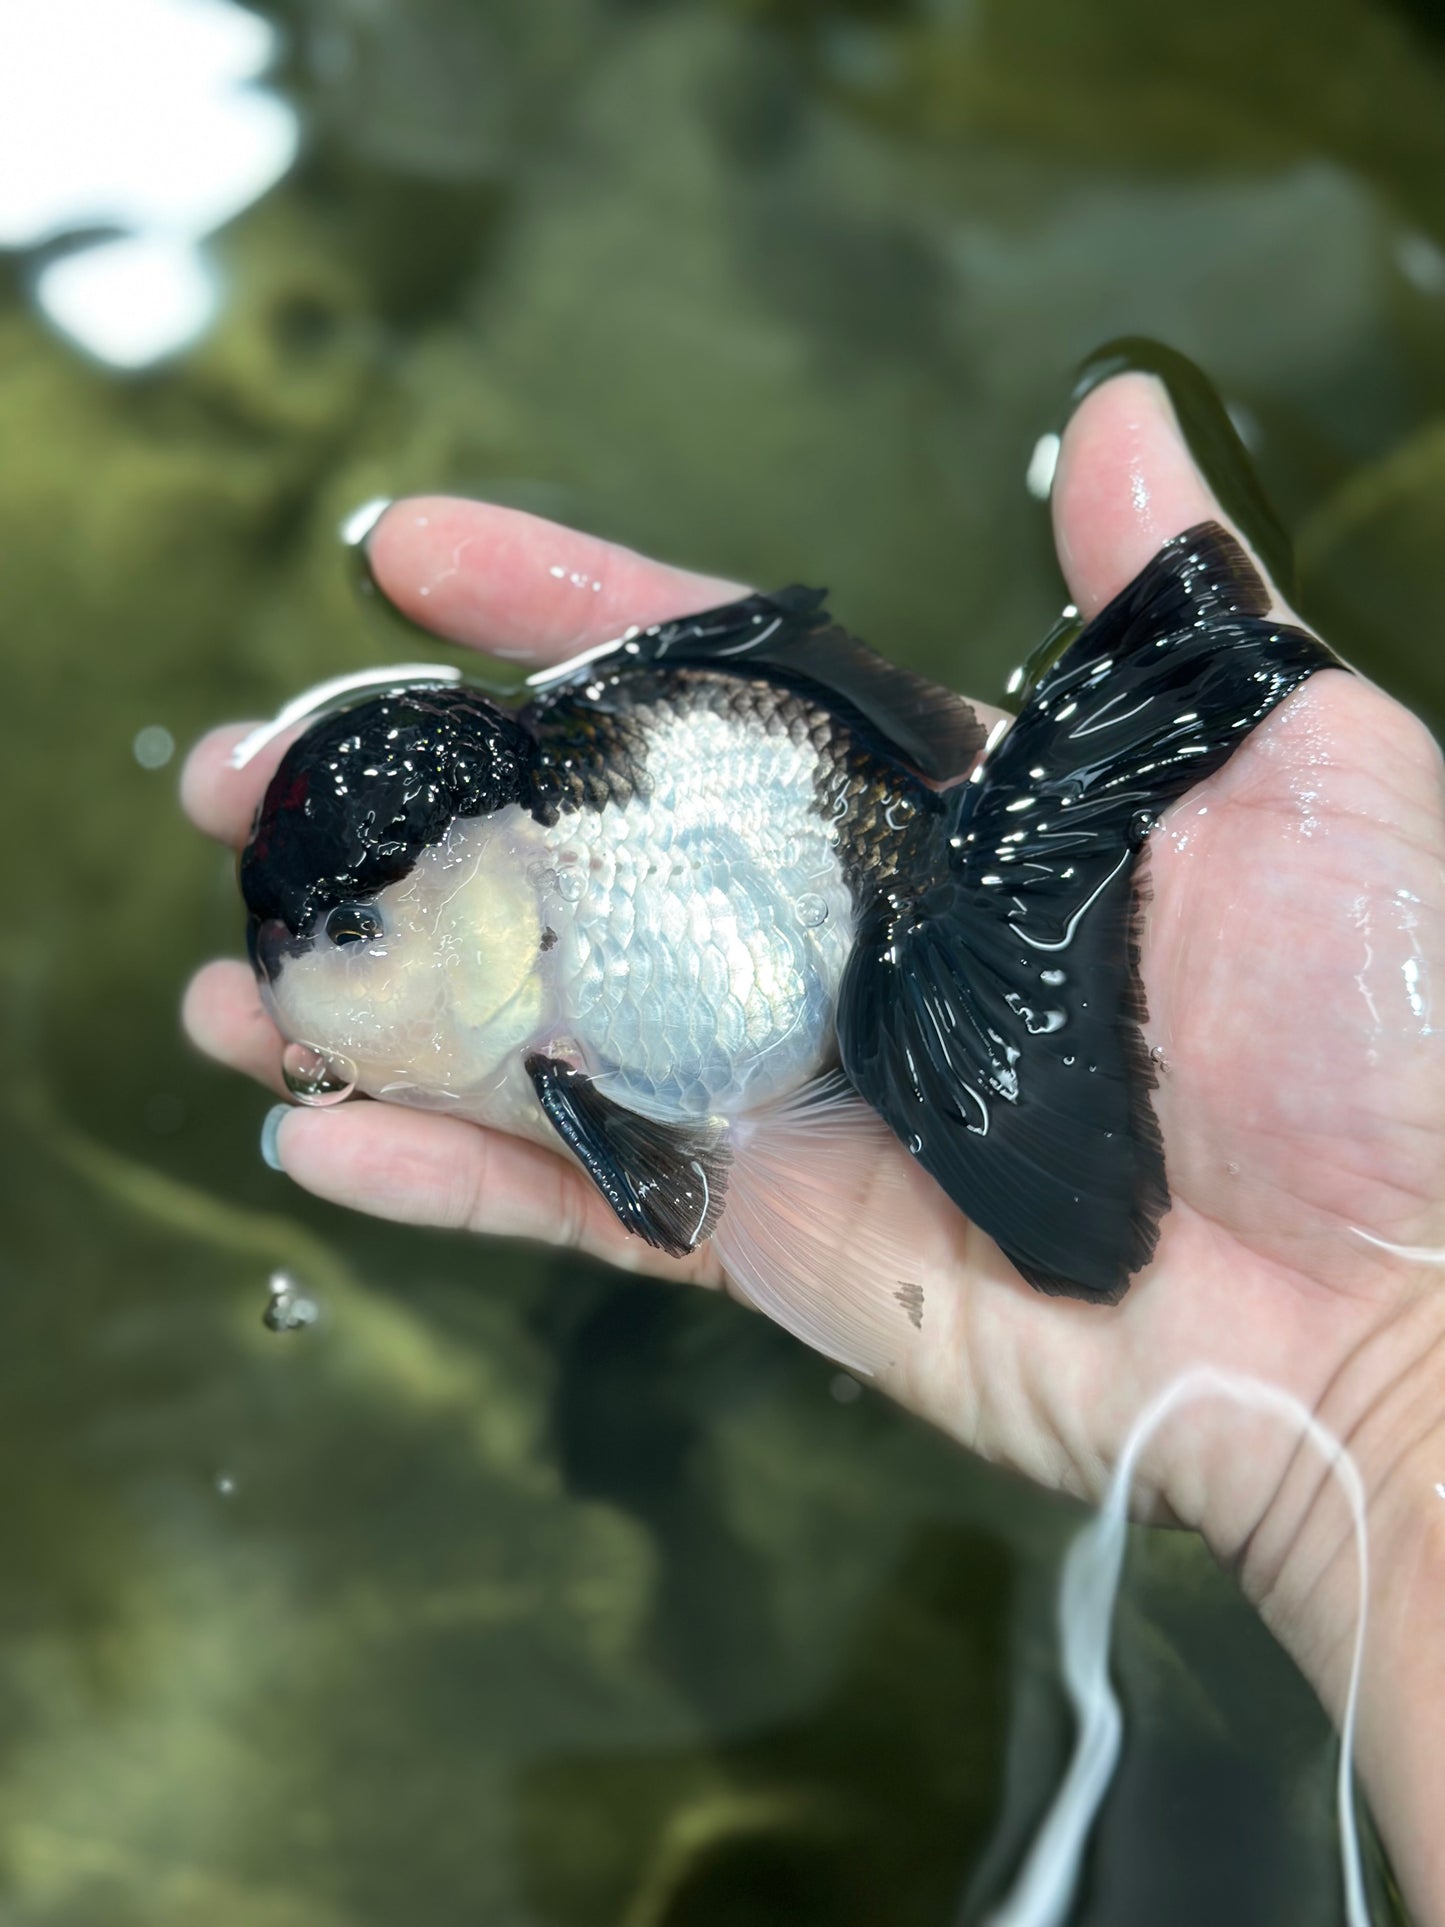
[(995, 1019), (790, 635), (1018, 1078), (665, 1182)]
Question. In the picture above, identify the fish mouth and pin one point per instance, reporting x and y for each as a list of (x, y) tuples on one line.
[(269, 944)]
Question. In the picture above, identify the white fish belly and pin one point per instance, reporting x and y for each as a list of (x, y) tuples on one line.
[(702, 932)]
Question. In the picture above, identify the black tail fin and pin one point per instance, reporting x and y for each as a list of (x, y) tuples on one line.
[(994, 1019)]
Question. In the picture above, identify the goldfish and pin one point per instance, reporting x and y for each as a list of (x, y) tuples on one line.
[(733, 891)]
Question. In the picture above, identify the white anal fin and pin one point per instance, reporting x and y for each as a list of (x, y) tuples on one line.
[(817, 1194)]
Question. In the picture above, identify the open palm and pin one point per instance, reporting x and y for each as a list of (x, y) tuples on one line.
[(1293, 944)]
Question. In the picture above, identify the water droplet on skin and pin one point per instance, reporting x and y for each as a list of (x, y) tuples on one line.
[(317, 1077), (915, 1145), (570, 885), (1231, 1170), (1054, 977), (811, 910), (1158, 1058), (288, 1309)]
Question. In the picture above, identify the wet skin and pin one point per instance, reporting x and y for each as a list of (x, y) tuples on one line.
[(1294, 964)]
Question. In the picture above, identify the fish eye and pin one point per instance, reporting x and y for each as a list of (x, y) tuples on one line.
[(352, 923)]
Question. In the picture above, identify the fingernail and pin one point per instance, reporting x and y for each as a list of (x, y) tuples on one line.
[(355, 531), (270, 1134), (1211, 437)]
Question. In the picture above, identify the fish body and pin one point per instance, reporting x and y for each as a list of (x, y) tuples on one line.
[(735, 885)]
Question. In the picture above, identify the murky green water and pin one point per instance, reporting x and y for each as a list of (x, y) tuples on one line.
[(512, 1593)]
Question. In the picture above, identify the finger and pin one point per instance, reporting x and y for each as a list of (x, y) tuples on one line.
[(1125, 485), (518, 586), (219, 799), (417, 1168), (223, 1015)]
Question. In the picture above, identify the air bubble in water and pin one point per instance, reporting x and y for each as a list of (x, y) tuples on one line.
[(154, 746), (811, 910), (317, 1077), (288, 1309)]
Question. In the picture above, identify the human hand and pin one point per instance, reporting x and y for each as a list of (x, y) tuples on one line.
[(1294, 941)]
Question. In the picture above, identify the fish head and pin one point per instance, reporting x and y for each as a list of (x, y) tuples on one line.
[(393, 919)]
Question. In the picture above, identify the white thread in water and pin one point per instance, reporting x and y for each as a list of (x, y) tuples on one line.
[(1044, 1889)]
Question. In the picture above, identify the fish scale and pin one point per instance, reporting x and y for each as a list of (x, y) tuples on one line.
[(689, 979)]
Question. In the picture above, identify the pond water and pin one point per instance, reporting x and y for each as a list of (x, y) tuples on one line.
[(501, 1590)]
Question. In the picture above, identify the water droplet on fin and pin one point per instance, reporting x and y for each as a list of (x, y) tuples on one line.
[(1140, 824), (811, 910), (317, 1077), (915, 1145)]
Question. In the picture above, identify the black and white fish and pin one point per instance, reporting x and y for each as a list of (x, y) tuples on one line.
[(734, 892)]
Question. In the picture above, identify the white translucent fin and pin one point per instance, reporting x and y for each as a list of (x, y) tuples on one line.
[(316, 701), (833, 1276), (1043, 1893)]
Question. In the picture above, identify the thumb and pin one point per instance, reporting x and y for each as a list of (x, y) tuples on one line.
[(1128, 479)]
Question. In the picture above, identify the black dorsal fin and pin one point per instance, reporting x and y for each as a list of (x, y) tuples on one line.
[(994, 1019), (789, 635), (666, 1182)]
